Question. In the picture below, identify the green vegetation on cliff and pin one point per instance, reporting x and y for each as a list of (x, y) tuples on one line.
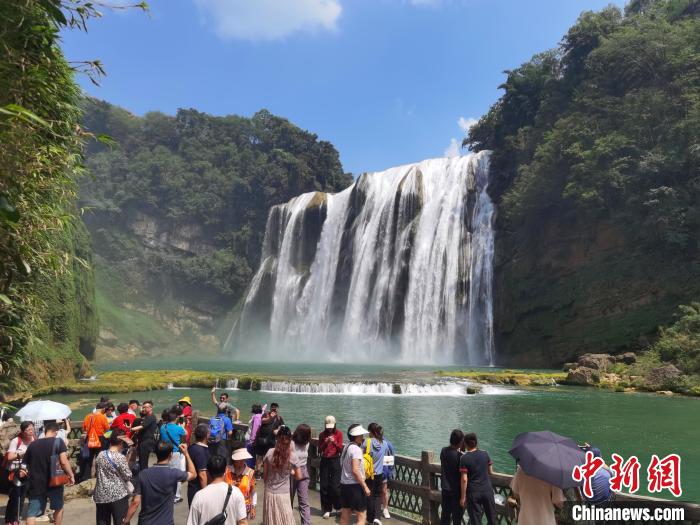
[(177, 212), (596, 171), (47, 316)]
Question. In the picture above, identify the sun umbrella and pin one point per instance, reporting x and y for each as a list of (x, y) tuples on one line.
[(43, 411), (548, 456)]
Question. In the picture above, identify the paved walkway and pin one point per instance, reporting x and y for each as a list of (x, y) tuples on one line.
[(81, 511)]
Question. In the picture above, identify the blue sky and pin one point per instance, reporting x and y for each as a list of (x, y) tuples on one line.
[(386, 81)]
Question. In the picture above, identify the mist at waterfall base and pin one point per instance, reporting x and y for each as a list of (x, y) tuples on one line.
[(395, 268)]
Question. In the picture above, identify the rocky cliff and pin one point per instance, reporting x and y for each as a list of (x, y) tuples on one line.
[(177, 213)]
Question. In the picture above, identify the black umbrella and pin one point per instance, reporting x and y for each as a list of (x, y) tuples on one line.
[(548, 456)]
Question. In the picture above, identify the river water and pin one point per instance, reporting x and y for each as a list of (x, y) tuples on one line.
[(628, 424)]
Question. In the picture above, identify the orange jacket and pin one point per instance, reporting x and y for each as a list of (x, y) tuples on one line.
[(246, 484), (95, 425)]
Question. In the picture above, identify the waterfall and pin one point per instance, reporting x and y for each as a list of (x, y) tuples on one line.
[(448, 388), (397, 266)]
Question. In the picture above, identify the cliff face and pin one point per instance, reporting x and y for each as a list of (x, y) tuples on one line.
[(177, 213), (579, 288)]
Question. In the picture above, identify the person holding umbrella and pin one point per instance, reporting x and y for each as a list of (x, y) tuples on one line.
[(545, 463)]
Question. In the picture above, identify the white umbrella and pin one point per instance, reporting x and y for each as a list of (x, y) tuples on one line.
[(43, 411)]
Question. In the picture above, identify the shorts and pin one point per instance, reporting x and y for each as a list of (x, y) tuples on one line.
[(353, 497), (37, 504)]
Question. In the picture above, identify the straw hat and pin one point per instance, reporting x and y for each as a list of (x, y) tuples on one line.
[(241, 454)]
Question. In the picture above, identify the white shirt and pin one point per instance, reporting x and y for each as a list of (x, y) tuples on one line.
[(209, 502), (352, 452)]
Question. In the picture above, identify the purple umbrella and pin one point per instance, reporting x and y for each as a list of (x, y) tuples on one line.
[(548, 456)]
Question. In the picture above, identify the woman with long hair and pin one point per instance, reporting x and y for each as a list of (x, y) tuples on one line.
[(301, 439), (13, 456), (376, 447), (280, 464)]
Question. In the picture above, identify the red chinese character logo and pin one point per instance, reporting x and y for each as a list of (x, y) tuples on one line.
[(665, 474), (625, 474), (586, 472)]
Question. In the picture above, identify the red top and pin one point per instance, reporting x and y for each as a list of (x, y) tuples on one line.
[(119, 423), (330, 448)]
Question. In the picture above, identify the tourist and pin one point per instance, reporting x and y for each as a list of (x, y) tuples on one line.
[(155, 487), (536, 499), (199, 452), (146, 434), (353, 488), (14, 459), (218, 497), (220, 430), (241, 475), (476, 492), (113, 481), (134, 407), (109, 413), (375, 446), (450, 480), (94, 427), (388, 474), (124, 421), (186, 405), (38, 461), (300, 486), (253, 426), (231, 411), (269, 425), (330, 446), (280, 464), (602, 493), (173, 434)]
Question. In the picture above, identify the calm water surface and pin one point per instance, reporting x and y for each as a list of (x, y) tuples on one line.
[(639, 424)]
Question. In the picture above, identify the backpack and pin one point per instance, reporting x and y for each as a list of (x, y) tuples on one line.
[(216, 429), (367, 461)]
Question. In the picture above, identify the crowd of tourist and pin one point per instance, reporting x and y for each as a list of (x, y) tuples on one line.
[(117, 451)]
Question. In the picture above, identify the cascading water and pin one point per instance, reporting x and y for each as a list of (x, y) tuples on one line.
[(398, 265)]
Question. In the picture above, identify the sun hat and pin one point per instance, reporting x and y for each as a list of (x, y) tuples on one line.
[(359, 430), (240, 454), (330, 422), (186, 399)]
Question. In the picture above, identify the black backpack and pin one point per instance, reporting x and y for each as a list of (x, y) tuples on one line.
[(220, 519)]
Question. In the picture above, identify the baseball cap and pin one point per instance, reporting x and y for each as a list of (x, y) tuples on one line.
[(330, 422)]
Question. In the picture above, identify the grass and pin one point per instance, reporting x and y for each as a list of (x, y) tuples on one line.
[(137, 381), (508, 377)]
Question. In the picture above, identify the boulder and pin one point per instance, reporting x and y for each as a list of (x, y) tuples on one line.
[(473, 390), (8, 431), (582, 376), (569, 366), (396, 388), (596, 361), (79, 490), (627, 358), (663, 377), (664, 392)]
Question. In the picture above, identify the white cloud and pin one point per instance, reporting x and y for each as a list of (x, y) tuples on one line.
[(453, 150), (455, 147), (269, 19)]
